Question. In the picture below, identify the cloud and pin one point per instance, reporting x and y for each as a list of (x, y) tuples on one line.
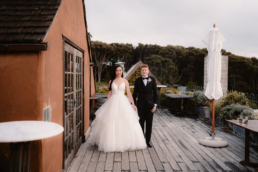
[(176, 22)]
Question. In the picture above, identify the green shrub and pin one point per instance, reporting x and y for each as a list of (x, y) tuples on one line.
[(252, 105), (103, 90), (234, 98), (199, 99), (134, 76), (233, 111), (255, 115), (163, 91), (190, 93)]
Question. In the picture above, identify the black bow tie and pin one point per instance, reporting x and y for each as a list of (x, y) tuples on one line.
[(145, 78)]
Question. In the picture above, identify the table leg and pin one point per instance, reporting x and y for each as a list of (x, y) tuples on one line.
[(20, 156), (247, 151), (179, 105), (28, 156), (171, 105), (11, 156), (247, 145), (17, 157), (179, 110), (95, 104), (185, 105)]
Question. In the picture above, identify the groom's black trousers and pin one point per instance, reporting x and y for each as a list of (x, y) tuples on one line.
[(145, 114)]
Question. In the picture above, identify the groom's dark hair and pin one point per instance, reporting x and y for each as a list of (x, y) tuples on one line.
[(114, 76)]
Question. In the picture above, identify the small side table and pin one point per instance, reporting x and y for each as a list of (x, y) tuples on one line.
[(20, 134), (175, 101), (252, 125), (94, 102)]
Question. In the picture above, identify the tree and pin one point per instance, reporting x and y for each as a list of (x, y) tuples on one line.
[(194, 63), (175, 64), (140, 52), (155, 65), (175, 57), (172, 72), (122, 52), (101, 53)]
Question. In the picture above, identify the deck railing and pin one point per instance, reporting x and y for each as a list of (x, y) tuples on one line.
[(251, 96)]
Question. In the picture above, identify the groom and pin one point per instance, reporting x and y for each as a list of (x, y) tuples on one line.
[(146, 89)]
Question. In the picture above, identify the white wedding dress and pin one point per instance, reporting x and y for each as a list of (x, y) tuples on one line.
[(116, 127)]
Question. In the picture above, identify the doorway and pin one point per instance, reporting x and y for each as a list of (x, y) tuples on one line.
[(73, 102)]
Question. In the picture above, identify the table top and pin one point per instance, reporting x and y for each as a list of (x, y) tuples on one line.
[(22, 131), (252, 125), (178, 96)]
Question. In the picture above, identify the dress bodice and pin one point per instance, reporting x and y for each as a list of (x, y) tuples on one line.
[(118, 90)]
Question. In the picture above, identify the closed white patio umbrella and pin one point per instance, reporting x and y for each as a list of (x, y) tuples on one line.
[(213, 40)]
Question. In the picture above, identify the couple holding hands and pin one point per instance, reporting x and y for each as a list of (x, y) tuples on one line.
[(119, 126)]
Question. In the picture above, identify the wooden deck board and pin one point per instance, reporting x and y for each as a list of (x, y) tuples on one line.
[(125, 161), (141, 161), (175, 148), (229, 148), (212, 155), (79, 157), (110, 161), (132, 156), (94, 161)]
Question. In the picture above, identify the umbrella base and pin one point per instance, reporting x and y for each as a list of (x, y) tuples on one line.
[(216, 142)]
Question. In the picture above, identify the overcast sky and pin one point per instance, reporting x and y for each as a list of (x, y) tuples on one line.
[(175, 22)]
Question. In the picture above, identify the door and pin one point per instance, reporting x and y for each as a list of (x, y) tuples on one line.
[(73, 102)]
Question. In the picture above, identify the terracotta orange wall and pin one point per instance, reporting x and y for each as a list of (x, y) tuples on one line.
[(93, 91), (69, 21), (19, 95)]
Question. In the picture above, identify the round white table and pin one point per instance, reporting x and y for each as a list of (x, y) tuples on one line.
[(20, 134)]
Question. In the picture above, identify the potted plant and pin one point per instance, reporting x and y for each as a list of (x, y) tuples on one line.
[(202, 104), (233, 111)]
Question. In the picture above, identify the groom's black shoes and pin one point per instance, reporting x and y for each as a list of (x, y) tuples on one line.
[(149, 144)]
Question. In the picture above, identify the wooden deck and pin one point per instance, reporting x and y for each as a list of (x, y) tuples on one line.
[(176, 148)]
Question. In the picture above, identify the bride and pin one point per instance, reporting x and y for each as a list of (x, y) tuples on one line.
[(116, 127)]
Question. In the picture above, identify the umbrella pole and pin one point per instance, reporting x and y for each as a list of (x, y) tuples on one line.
[(213, 117)]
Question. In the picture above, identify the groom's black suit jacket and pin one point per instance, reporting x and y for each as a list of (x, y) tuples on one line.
[(147, 95)]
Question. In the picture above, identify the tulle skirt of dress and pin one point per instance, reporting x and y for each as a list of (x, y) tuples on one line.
[(116, 127)]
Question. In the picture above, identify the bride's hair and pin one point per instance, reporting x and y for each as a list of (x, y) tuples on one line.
[(114, 76)]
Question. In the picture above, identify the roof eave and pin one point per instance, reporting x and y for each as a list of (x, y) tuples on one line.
[(23, 47)]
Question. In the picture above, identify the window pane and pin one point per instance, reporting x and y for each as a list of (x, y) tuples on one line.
[(65, 104), (68, 83), (72, 103), (72, 60), (68, 62), (71, 83)]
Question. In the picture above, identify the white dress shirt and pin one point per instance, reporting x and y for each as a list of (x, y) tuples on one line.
[(145, 80)]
